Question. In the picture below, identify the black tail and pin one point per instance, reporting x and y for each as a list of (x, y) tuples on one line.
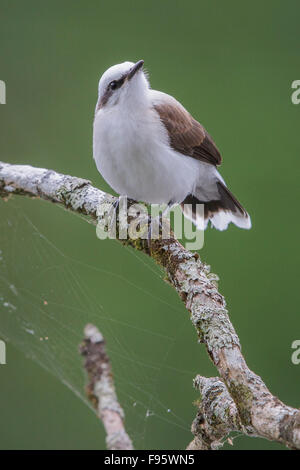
[(225, 209)]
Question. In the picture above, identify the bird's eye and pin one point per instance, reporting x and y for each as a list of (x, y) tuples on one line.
[(113, 85)]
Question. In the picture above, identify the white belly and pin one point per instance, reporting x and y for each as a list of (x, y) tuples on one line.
[(134, 157)]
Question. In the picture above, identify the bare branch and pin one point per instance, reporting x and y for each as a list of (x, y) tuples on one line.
[(260, 413), (101, 389)]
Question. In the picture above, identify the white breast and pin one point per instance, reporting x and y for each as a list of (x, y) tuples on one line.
[(133, 155)]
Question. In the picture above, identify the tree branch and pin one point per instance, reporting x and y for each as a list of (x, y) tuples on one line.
[(101, 390), (259, 412), (217, 415)]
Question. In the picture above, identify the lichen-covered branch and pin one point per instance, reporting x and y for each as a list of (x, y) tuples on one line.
[(260, 413), (101, 390), (217, 415)]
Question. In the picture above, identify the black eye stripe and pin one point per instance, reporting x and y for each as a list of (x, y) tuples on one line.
[(109, 92), (115, 84)]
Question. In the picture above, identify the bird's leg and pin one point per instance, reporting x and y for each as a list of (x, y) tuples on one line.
[(159, 220), (112, 215), (168, 209)]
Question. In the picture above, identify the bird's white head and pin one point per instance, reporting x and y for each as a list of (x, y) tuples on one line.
[(122, 83)]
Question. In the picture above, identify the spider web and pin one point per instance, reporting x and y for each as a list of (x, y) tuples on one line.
[(49, 293)]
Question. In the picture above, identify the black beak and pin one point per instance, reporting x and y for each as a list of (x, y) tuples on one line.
[(135, 68)]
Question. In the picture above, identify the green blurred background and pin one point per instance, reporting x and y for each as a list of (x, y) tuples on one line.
[(231, 64)]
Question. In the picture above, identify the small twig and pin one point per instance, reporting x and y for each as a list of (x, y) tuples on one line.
[(101, 389)]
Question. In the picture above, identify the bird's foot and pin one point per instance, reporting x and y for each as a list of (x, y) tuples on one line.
[(112, 217)]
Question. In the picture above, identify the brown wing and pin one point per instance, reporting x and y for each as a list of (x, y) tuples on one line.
[(187, 135)]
